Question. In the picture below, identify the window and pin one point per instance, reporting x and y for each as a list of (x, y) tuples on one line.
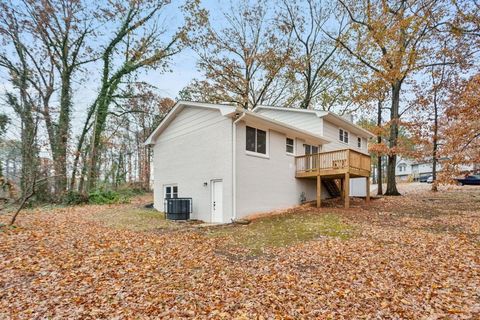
[(256, 140), (343, 135), (311, 149), (402, 167), (171, 191), (359, 142), (290, 145)]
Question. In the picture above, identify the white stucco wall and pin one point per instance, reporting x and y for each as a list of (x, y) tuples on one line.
[(195, 148), (330, 131), (265, 184), (321, 126)]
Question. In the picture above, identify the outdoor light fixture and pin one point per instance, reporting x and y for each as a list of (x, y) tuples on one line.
[(205, 184)]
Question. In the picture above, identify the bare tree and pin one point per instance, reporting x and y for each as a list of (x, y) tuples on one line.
[(139, 42), (242, 59), (314, 58)]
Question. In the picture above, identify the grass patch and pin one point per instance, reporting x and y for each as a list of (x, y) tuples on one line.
[(136, 219), (284, 230)]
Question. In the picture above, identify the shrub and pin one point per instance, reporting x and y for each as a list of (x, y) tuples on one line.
[(73, 198), (132, 189), (107, 197)]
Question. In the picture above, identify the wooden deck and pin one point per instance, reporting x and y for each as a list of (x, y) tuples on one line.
[(338, 164), (333, 164)]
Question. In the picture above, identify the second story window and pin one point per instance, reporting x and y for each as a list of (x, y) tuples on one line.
[(343, 135), (289, 144), (359, 142), (256, 140)]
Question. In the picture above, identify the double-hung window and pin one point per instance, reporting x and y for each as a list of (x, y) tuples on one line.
[(359, 142), (309, 149), (343, 135), (290, 145), (171, 191), (256, 140)]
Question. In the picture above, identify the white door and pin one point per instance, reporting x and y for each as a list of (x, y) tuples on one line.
[(217, 201)]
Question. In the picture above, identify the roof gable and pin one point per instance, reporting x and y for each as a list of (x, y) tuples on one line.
[(225, 110)]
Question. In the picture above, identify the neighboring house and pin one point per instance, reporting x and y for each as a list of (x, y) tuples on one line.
[(234, 162), (413, 170)]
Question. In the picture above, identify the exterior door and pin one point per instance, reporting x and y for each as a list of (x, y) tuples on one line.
[(310, 164), (217, 201)]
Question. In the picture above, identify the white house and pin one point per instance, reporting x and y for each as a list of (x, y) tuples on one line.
[(415, 170), (234, 162)]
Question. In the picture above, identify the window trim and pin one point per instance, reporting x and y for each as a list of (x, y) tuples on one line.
[(293, 146), (267, 142), (348, 136), (171, 185), (318, 146), (359, 142)]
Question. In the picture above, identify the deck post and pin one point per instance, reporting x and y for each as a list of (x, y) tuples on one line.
[(367, 198), (319, 191), (342, 188), (346, 190)]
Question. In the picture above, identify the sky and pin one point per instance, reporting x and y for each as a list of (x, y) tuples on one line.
[(183, 71)]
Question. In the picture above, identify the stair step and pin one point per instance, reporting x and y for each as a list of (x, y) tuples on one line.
[(332, 188)]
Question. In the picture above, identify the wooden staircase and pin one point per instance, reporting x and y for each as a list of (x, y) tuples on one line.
[(332, 188)]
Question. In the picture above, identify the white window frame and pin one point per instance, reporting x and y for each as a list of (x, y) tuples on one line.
[(165, 186), (267, 142), (359, 142), (343, 135), (319, 147), (293, 145)]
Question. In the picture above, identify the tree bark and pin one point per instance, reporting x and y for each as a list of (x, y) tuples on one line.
[(435, 142), (60, 160), (379, 156), (393, 139)]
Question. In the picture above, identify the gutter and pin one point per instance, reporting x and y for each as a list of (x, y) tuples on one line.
[(234, 166)]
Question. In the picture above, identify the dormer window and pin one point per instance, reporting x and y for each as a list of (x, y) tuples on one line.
[(343, 135)]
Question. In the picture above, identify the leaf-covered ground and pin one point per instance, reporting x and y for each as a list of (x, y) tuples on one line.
[(411, 257)]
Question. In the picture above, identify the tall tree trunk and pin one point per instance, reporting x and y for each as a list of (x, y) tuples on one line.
[(60, 161), (80, 143), (435, 142), (393, 139), (99, 126), (379, 156)]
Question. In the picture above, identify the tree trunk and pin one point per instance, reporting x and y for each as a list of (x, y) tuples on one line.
[(435, 142), (60, 161), (392, 156), (379, 156)]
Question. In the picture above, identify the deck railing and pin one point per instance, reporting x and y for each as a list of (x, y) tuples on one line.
[(332, 160)]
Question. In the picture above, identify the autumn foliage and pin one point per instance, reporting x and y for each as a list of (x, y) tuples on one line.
[(461, 125)]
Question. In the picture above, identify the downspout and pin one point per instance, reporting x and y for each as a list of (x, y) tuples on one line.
[(234, 165)]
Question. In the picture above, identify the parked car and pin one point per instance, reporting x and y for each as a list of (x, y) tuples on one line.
[(422, 179), (469, 180), (430, 179)]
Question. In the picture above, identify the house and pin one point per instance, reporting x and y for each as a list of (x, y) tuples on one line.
[(411, 170), (235, 162), (419, 170)]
